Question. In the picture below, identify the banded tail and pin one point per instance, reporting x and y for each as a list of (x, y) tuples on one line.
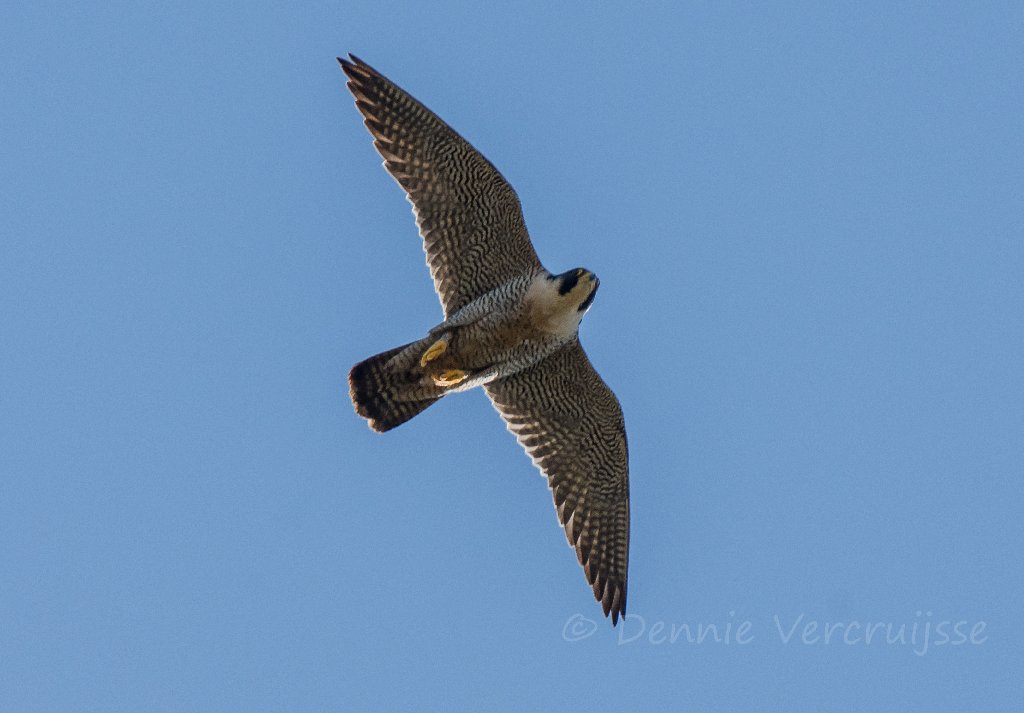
[(388, 389)]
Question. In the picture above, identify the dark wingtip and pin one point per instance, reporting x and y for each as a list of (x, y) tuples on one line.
[(614, 604), (355, 69), (352, 62)]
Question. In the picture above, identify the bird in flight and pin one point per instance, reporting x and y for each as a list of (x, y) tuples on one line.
[(509, 326)]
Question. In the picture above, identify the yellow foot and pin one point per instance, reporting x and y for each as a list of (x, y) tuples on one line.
[(434, 351), (449, 377)]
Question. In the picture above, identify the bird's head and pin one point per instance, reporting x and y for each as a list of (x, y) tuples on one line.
[(560, 301), (579, 286)]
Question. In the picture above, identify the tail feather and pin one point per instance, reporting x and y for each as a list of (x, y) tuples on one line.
[(387, 391)]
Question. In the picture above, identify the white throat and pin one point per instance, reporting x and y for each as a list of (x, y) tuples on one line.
[(550, 311)]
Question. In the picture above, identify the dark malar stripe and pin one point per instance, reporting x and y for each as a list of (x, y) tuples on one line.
[(568, 281)]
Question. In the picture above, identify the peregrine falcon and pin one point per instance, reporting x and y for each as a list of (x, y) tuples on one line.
[(509, 326)]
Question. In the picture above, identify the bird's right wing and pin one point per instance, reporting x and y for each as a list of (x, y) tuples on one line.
[(468, 215), (571, 425)]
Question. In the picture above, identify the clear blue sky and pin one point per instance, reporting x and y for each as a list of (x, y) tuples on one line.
[(808, 221)]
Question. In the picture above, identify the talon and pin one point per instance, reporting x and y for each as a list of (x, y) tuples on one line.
[(434, 351), (449, 377)]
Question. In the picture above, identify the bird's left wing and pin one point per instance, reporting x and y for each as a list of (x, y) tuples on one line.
[(571, 425), (468, 215)]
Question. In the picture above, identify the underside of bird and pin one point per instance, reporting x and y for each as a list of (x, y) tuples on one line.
[(510, 326)]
